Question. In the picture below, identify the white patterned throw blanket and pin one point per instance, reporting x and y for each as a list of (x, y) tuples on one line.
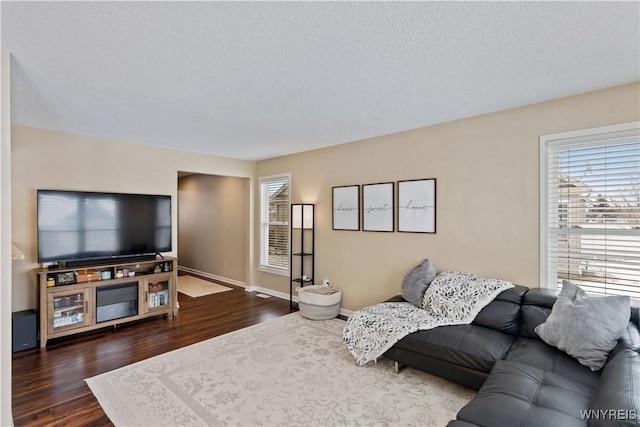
[(453, 298)]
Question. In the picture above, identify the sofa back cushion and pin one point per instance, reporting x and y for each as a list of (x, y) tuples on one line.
[(630, 339), (503, 313), (536, 307), (616, 400)]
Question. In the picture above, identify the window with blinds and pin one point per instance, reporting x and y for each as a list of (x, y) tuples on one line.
[(274, 223), (590, 209)]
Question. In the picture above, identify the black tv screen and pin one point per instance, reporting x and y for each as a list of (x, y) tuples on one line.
[(78, 226)]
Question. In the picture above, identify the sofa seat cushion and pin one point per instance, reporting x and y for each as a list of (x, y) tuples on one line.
[(526, 396), (469, 346), (537, 353)]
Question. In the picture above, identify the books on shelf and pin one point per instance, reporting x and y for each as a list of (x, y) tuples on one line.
[(157, 299), (67, 318)]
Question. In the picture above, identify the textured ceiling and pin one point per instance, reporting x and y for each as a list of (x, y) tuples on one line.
[(255, 80)]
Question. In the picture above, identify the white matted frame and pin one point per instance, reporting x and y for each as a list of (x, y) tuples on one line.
[(378, 213), (346, 207), (417, 206)]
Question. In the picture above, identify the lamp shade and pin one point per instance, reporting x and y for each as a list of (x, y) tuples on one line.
[(302, 216)]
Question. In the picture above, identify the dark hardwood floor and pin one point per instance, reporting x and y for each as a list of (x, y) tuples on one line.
[(48, 384)]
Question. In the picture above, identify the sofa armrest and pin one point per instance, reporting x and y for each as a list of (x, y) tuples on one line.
[(617, 391)]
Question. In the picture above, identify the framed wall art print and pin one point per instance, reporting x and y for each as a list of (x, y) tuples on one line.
[(346, 207), (377, 207), (417, 206)]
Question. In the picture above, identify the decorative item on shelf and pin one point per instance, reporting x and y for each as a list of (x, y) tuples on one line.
[(66, 278), (302, 244), (155, 287), (88, 275), (51, 281)]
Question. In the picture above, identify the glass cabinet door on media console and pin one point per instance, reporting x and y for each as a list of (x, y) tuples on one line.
[(157, 293), (69, 309)]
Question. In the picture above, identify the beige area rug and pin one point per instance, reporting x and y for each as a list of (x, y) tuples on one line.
[(196, 287), (287, 371)]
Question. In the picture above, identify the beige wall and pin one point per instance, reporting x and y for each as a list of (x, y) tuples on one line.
[(487, 194), (486, 167), (57, 160), (213, 214)]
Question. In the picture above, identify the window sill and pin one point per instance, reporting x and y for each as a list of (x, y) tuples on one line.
[(274, 270)]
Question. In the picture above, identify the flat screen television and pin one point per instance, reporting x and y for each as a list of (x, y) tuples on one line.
[(80, 227)]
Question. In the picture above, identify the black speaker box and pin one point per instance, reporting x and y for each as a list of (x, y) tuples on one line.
[(25, 330)]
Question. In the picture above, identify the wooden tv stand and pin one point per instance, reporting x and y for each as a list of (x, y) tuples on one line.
[(80, 299)]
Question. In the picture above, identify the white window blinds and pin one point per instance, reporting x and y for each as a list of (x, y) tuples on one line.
[(591, 210), (274, 223)]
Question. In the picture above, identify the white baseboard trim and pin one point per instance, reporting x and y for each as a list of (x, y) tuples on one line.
[(251, 288), (345, 312), (268, 291), (212, 276), (282, 295)]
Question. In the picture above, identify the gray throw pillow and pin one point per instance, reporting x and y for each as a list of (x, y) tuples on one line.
[(416, 282), (585, 327)]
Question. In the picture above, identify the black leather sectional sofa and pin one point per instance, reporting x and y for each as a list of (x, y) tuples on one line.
[(522, 381)]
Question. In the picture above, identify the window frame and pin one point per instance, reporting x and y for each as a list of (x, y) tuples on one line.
[(567, 139), (263, 245)]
